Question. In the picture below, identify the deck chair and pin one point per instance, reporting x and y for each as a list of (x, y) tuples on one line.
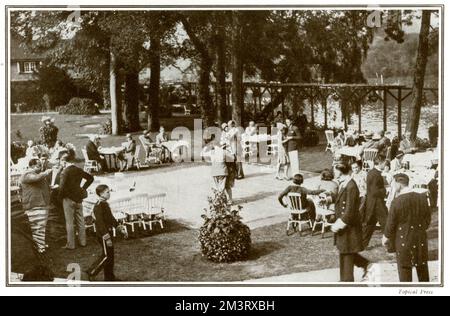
[(89, 165), (152, 152), (369, 156), (155, 211), (15, 185), (295, 218), (330, 141), (324, 213)]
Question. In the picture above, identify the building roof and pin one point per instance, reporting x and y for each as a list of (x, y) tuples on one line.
[(19, 51)]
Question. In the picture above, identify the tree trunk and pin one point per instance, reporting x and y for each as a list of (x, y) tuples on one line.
[(132, 101), (237, 70), (419, 76), (153, 123), (222, 111), (115, 107), (204, 96)]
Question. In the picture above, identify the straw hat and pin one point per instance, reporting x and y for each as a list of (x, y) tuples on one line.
[(376, 136), (46, 119)]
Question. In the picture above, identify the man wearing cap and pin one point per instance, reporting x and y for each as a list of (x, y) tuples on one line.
[(406, 231), (348, 229)]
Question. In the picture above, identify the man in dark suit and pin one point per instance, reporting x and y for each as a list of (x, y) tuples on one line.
[(348, 228), (375, 210), (406, 231), (72, 194), (93, 154)]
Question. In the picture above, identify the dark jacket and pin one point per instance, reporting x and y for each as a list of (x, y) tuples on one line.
[(35, 190), (301, 122), (131, 148), (406, 227), (92, 151), (294, 144), (298, 189), (70, 184), (350, 239), (376, 210), (104, 219)]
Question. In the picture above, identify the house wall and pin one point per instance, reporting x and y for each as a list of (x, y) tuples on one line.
[(16, 75)]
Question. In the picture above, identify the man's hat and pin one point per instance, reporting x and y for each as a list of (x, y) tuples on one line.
[(402, 178)]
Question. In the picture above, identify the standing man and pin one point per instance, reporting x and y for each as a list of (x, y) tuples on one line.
[(293, 144), (375, 210), (348, 228), (406, 230), (36, 201), (302, 121), (235, 141), (219, 169), (72, 195)]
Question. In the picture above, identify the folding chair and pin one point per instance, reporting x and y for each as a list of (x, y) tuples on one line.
[(89, 165), (272, 149), (187, 111), (15, 185), (330, 141), (88, 214), (133, 207), (295, 219), (324, 213), (368, 158), (155, 211)]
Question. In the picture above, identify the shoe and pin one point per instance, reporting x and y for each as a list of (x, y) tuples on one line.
[(67, 248)]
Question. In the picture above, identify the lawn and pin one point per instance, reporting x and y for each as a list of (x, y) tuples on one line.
[(173, 255)]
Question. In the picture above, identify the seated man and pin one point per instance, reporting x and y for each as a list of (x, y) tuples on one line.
[(126, 157), (407, 145), (298, 188), (161, 138), (93, 154)]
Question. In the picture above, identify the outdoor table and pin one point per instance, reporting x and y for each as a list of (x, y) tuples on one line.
[(175, 147), (111, 154), (421, 159), (350, 151)]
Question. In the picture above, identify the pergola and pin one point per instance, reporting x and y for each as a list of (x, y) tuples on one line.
[(317, 93)]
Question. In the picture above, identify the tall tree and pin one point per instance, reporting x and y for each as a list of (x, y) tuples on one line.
[(237, 68), (419, 75)]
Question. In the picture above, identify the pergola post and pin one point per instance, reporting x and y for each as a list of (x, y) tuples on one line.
[(311, 101), (399, 113), (385, 104), (324, 105)]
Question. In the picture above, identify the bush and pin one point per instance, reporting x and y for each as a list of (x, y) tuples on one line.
[(18, 150), (106, 128), (79, 106), (223, 237)]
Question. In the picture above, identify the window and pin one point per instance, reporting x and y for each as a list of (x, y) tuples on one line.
[(29, 67)]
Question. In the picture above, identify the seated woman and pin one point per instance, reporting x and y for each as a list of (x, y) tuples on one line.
[(32, 150), (126, 157), (306, 203), (328, 184)]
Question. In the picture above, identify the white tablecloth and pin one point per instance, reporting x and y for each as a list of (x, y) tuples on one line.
[(110, 150), (349, 151), (419, 160)]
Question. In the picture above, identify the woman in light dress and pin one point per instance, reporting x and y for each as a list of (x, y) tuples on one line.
[(283, 157)]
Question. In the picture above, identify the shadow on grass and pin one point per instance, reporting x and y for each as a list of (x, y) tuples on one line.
[(256, 197), (262, 249)]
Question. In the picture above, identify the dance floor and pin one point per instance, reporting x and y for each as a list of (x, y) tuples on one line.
[(187, 191)]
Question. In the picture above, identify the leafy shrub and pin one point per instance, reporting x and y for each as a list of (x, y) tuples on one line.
[(223, 237), (18, 150), (48, 135), (79, 106), (106, 128)]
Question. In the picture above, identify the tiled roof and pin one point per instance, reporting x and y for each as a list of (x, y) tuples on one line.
[(20, 52)]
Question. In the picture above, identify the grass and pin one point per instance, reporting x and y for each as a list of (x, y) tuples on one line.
[(173, 255)]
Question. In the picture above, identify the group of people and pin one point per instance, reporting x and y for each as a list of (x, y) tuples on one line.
[(359, 200), (48, 191)]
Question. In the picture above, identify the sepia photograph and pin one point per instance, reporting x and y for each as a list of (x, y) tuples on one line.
[(214, 145)]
